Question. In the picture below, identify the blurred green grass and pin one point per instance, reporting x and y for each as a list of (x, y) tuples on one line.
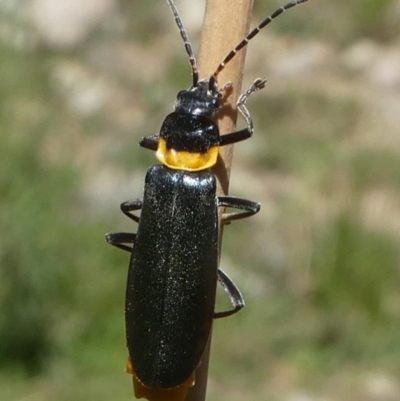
[(320, 280)]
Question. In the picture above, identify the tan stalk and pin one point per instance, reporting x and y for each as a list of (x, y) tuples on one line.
[(226, 23)]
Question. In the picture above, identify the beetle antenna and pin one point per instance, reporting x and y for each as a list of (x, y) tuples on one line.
[(251, 35), (188, 46)]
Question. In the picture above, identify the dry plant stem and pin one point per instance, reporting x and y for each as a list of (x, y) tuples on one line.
[(226, 23)]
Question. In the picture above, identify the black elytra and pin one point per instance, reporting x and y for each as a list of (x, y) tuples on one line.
[(173, 270)]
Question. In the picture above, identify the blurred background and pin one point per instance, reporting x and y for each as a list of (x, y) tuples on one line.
[(82, 82)]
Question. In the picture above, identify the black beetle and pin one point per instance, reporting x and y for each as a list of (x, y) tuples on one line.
[(173, 269)]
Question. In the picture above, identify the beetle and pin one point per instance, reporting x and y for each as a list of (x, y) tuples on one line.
[(173, 270)]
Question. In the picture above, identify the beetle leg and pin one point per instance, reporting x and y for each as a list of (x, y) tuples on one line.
[(247, 208), (130, 206), (149, 142), (243, 134), (241, 103), (233, 292), (120, 239)]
